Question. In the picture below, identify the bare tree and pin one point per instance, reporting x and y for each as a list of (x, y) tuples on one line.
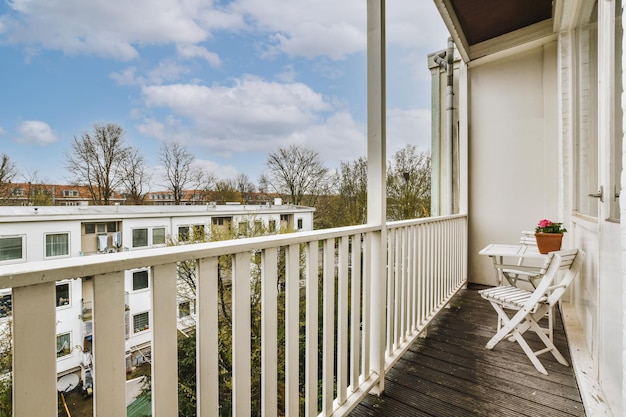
[(408, 184), (244, 186), (7, 174), (180, 175), (95, 161), (226, 190), (135, 177), (352, 191), (296, 171)]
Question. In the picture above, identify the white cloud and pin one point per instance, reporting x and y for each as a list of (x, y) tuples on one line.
[(245, 113), (110, 28), (408, 126), (35, 132), (194, 51)]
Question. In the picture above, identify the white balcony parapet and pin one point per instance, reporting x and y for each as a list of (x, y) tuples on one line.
[(426, 265)]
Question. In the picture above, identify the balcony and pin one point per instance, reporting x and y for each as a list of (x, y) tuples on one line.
[(365, 320)]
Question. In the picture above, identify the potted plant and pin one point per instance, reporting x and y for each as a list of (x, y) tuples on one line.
[(549, 236)]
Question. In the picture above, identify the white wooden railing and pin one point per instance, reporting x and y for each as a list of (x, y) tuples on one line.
[(426, 265)]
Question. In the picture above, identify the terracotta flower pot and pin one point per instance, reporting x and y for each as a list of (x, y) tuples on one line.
[(548, 242)]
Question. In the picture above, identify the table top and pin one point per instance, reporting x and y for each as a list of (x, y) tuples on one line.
[(519, 251)]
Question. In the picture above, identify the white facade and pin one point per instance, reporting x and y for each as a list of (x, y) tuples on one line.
[(32, 234)]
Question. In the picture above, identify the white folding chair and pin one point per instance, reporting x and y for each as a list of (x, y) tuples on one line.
[(531, 306)]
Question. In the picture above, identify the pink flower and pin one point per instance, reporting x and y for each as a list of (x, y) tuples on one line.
[(545, 223)]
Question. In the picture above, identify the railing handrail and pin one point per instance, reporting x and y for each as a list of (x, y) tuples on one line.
[(30, 273)]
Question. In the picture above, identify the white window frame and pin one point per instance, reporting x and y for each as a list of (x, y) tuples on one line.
[(132, 233), (65, 255), (135, 331), (147, 287), (23, 257), (69, 334), (69, 295)]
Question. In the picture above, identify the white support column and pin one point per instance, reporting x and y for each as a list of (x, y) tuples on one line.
[(109, 349), (34, 351), (376, 179), (241, 335), (164, 341), (207, 346)]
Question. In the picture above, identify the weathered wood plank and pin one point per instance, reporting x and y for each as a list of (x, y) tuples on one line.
[(451, 373)]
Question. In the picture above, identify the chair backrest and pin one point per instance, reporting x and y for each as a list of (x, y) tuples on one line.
[(550, 287), (528, 238)]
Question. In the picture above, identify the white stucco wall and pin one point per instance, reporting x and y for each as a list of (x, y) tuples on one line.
[(513, 151)]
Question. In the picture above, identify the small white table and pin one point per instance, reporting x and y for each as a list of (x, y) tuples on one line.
[(500, 252)]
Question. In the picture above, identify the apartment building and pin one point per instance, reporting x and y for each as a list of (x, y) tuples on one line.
[(55, 233)]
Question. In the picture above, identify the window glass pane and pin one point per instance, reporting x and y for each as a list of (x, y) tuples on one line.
[(112, 227), (63, 294), (299, 223), (184, 309), (272, 225), (242, 228), (101, 227), (5, 305), (158, 236), (183, 233), (587, 128), (140, 238), (140, 280), (198, 232), (90, 228), (141, 322), (63, 345), (11, 248), (57, 245), (616, 140)]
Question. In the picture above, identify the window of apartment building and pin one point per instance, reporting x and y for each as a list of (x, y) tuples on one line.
[(18, 192), (91, 228), (140, 280), (6, 305), (64, 344), (57, 244), (184, 309), (141, 322), (220, 221), (140, 238), (158, 236), (11, 248), (198, 232), (300, 221), (242, 228), (63, 294), (272, 226), (258, 226), (70, 193), (183, 233)]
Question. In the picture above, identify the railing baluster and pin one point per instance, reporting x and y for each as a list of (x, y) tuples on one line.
[(241, 335), (355, 311), (164, 341), (109, 345), (34, 347), (312, 327), (342, 321), (269, 332), (292, 324), (207, 346), (328, 338)]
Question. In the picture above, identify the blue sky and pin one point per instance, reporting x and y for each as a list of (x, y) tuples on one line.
[(230, 80)]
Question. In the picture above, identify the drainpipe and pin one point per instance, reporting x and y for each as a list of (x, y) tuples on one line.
[(448, 65)]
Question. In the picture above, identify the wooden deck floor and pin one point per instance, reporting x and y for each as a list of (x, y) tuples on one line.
[(451, 373)]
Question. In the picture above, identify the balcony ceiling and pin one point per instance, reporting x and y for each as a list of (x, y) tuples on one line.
[(482, 27)]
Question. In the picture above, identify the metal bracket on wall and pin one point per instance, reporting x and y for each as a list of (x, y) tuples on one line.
[(599, 194)]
